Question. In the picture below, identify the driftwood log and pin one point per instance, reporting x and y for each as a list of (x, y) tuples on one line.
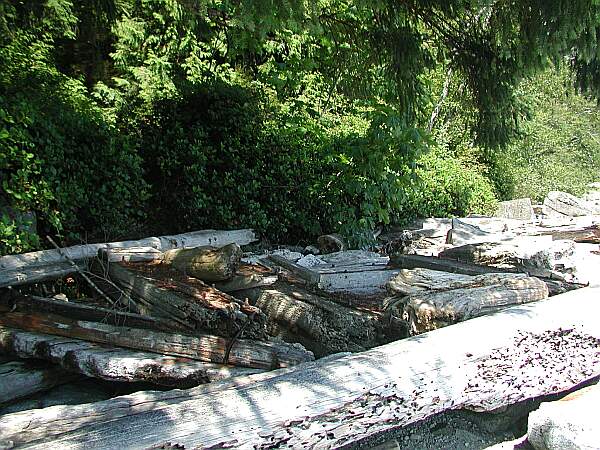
[(483, 364), (112, 363), (190, 302), (206, 263), (445, 301), (33, 267), (207, 348), (21, 379), (321, 325), (248, 276)]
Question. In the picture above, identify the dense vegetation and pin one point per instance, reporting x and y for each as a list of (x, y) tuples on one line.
[(123, 117)]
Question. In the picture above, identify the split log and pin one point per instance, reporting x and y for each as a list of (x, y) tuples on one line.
[(207, 348), (438, 308), (418, 281), (555, 286), (80, 311), (188, 301), (483, 364), (22, 379), (34, 267), (206, 263), (321, 325), (114, 364)]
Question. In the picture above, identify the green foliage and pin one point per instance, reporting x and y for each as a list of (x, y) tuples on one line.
[(560, 148)]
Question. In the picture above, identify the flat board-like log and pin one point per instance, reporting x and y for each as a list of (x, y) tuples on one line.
[(326, 326), (206, 263), (417, 281), (113, 363), (482, 364), (21, 379), (207, 348), (42, 265), (190, 302), (426, 311)]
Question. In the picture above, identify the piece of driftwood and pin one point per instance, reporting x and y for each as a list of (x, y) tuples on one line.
[(438, 307), (320, 324), (29, 304), (113, 363), (588, 235), (207, 348), (482, 364), (330, 243), (555, 286), (20, 379), (190, 302), (247, 276), (206, 263), (42, 265), (419, 280)]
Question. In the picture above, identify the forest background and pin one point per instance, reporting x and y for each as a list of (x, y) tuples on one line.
[(123, 118)]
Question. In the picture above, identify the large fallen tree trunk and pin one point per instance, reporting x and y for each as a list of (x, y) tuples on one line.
[(555, 287), (22, 379), (206, 263), (248, 276), (114, 364), (321, 325), (445, 301), (33, 267), (190, 302), (238, 352), (482, 364)]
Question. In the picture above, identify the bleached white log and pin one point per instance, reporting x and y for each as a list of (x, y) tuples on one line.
[(19, 379), (482, 364), (46, 264)]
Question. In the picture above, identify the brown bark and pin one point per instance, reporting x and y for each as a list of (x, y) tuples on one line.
[(206, 263)]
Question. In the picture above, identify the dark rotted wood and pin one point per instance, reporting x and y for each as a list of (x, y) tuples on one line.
[(80, 311), (326, 327), (555, 287), (21, 379), (482, 364), (208, 348), (186, 300), (206, 263), (114, 363)]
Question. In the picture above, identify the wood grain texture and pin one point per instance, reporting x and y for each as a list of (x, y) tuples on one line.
[(113, 363), (519, 353), (20, 379), (206, 263)]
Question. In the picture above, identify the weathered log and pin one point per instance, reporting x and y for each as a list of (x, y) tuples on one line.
[(207, 348), (33, 267), (324, 326), (248, 276), (519, 208), (330, 243), (588, 235), (555, 286), (521, 353), (559, 203), (80, 311), (112, 363), (206, 263), (187, 301), (21, 379), (438, 308), (417, 281)]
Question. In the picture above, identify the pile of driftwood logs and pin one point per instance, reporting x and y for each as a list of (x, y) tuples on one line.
[(184, 310)]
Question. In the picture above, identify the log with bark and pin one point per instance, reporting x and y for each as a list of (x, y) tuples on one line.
[(248, 276), (193, 304), (20, 379), (483, 364), (207, 348), (321, 325), (206, 263), (428, 300), (42, 265), (113, 363)]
